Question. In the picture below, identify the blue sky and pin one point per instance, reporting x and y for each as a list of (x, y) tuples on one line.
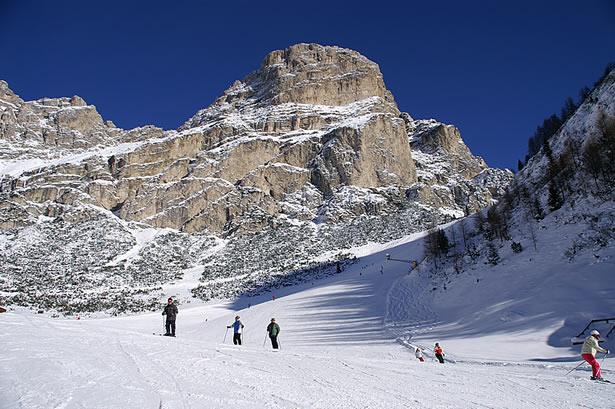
[(494, 69)]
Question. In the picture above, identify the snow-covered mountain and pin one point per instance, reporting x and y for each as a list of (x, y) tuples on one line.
[(505, 295), (306, 157)]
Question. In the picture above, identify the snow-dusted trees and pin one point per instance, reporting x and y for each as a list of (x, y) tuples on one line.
[(555, 199), (437, 245), (493, 257), (498, 225), (599, 155)]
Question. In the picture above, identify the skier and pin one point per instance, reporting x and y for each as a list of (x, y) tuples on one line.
[(170, 310), (439, 354), (589, 353), (273, 329), (419, 355), (237, 327)]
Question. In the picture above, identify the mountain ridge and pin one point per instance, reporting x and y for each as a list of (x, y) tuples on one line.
[(265, 157)]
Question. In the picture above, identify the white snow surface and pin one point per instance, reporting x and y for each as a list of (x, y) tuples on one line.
[(346, 342)]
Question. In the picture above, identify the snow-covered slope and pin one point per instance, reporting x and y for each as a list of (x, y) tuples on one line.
[(511, 290), (346, 342)]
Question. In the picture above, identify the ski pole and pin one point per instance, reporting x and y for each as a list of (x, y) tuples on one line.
[(226, 332), (603, 359), (575, 368), (164, 327)]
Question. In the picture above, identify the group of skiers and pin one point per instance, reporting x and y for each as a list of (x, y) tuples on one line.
[(171, 311), (273, 330), (437, 349), (588, 352)]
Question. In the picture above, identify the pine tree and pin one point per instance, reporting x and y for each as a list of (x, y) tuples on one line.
[(584, 93), (539, 213), (443, 243), (432, 250), (479, 222), (497, 224), (493, 257), (606, 140), (516, 247), (464, 232), (519, 165), (555, 199), (568, 110), (593, 161)]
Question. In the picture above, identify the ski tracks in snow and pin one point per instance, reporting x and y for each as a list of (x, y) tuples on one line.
[(154, 374), (407, 314)]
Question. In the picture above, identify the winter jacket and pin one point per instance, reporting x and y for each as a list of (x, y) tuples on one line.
[(237, 326), (591, 345), (170, 310), (418, 354), (438, 350), (273, 329)]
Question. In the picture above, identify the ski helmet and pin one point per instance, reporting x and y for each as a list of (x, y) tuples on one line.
[(595, 332)]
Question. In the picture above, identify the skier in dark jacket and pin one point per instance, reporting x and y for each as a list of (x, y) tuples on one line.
[(170, 310), (237, 328), (273, 329)]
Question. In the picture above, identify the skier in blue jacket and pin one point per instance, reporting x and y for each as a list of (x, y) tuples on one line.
[(237, 329)]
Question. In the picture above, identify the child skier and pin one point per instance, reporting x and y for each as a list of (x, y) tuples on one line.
[(419, 355)]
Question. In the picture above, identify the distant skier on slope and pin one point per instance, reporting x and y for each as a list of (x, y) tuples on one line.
[(170, 310), (273, 329), (237, 327), (439, 354), (419, 355), (589, 353)]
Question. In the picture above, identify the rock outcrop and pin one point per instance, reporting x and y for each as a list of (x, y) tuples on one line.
[(293, 139), (307, 156)]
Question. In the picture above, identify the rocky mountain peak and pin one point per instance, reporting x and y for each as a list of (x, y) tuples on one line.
[(309, 152), (312, 135), (312, 74)]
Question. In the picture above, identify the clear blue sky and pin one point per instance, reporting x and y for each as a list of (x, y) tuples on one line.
[(494, 69)]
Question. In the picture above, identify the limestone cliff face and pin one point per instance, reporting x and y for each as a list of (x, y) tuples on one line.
[(294, 139)]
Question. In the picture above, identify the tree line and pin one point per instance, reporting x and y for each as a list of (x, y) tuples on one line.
[(584, 167), (553, 123)]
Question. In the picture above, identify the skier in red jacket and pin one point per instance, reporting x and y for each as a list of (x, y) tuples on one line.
[(439, 354)]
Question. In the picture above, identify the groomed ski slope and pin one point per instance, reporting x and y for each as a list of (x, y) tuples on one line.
[(345, 343)]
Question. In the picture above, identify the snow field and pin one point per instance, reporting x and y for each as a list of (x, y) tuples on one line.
[(346, 342)]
